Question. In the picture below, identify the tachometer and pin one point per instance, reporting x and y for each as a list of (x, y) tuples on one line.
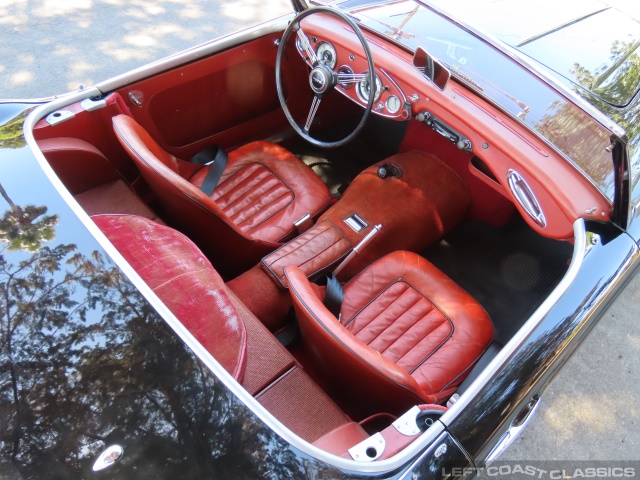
[(326, 53), (364, 90)]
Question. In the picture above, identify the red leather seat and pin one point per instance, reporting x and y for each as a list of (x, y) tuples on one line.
[(263, 190), (408, 334), (183, 279)]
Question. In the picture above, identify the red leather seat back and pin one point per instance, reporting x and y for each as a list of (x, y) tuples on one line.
[(263, 190), (185, 281), (185, 206), (356, 370), (408, 335)]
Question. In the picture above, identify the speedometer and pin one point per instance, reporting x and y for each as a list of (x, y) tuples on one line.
[(326, 53), (364, 90)]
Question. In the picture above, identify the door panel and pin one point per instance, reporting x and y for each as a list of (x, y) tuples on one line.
[(226, 99)]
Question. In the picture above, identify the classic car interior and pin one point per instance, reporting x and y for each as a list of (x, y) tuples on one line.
[(442, 219)]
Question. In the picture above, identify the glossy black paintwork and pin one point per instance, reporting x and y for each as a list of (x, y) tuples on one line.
[(443, 459), (607, 266), (93, 364), (598, 53), (86, 362)]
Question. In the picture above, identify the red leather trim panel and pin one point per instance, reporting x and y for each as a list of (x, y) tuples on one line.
[(93, 127), (78, 164), (224, 99), (342, 438), (185, 281), (115, 197), (315, 250)]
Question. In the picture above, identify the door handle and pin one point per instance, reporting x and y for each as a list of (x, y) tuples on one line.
[(517, 425)]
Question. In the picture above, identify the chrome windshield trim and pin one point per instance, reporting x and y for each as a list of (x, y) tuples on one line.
[(250, 402), (579, 252)]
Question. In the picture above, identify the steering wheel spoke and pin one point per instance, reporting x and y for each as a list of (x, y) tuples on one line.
[(315, 104), (322, 77), (306, 45), (345, 78)]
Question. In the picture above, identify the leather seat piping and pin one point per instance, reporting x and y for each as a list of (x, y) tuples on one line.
[(293, 194), (186, 194), (346, 348), (400, 280)]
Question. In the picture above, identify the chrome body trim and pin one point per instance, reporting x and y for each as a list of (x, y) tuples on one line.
[(251, 403), (195, 53), (368, 450), (579, 251), (525, 196)]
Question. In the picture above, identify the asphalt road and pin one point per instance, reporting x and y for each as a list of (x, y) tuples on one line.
[(47, 47)]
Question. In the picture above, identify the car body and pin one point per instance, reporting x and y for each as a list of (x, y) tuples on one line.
[(93, 358)]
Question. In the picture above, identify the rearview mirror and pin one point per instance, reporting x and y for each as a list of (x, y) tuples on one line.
[(431, 68)]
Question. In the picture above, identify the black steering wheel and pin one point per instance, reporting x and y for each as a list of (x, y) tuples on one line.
[(322, 78)]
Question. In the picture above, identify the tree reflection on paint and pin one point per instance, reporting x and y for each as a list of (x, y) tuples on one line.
[(580, 139), (85, 363), (624, 86)]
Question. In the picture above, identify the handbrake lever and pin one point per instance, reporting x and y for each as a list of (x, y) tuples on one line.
[(357, 248)]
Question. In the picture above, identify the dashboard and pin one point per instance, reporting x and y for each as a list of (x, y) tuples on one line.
[(353, 80), (519, 165)]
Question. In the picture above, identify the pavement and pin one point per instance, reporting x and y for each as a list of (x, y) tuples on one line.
[(592, 409)]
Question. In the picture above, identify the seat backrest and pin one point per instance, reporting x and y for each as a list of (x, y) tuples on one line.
[(381, 384), (185, 281), (185, 206)]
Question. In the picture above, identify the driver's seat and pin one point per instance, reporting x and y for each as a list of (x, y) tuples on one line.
[(263, 190)]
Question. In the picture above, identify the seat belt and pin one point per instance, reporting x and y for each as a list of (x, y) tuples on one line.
[(333, 296), (216, 158)]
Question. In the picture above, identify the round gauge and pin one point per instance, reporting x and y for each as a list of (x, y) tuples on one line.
[(393, 104), (364, 90), (326, 53)]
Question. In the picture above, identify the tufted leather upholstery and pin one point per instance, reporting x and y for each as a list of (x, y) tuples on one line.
[(263, 190), (408, 335), (183, 279)]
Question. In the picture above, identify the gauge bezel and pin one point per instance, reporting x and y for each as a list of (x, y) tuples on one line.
[(390, 98), (332, 49), (365, 98)]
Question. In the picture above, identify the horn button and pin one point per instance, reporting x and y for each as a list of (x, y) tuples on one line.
[(321, 79)]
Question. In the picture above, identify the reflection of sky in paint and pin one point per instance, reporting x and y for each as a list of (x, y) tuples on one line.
[(503, 81)]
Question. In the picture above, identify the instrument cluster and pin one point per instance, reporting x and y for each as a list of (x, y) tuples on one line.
[(354, 81)]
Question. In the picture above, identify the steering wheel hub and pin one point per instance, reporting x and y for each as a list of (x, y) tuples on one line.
[(321, 79)]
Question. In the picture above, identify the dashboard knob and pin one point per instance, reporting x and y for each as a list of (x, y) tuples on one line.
[(386, 171)]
